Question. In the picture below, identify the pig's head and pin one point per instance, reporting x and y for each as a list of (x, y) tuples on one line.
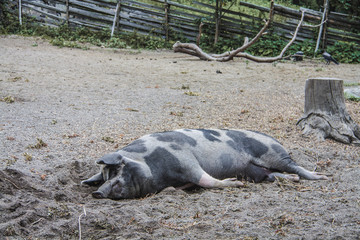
[(120, 177)]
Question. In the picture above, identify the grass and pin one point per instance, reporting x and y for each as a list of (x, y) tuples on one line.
[(351, 97), (351, 84)]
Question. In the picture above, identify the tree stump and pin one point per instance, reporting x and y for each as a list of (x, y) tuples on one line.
[(325, 113)]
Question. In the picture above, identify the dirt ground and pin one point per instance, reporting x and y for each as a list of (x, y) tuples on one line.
[(63, 108)]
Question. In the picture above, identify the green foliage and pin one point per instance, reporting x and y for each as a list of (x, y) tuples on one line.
[(351, 97), (351, 7), (267, 46), (8, 20), (272, 45), (345, 52), (138, 41)]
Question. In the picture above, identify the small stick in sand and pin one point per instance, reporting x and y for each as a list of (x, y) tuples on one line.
[(83, 214)]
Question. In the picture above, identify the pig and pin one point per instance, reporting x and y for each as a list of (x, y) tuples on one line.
[(209, 158)]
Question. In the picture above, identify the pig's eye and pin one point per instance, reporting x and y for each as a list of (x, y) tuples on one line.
[(114, 171)]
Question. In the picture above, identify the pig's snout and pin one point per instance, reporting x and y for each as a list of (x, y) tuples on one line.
[(98, 195), (103, 191)]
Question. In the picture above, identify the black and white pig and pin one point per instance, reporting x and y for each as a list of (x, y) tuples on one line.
[(209, 158)]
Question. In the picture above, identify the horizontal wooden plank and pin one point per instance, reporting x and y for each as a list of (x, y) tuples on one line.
[(39, 4), (93, 7), (338, 37), (149, 16), (102, 3), (90, 24), (35, 8), (140, 5), (349, 34), (91, 15)]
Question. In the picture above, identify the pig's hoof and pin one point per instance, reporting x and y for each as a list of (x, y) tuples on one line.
[(319, 176), (98, 194), (232, 182), (294, 177)]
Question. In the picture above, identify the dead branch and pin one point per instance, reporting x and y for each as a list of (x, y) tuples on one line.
[(315, 26), (199, 35), (194, 50)]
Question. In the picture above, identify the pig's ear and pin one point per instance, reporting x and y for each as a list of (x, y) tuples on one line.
[(94, 180), (110, 159)]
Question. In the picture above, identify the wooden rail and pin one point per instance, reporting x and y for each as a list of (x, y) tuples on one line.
[(171, 20)]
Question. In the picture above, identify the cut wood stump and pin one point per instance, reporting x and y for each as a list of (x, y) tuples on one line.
[(325, 114)]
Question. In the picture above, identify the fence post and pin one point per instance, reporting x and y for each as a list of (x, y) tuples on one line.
[(67, 12), (321, 26), (20, 17), (116, 18), (324, 37), (167, 10)]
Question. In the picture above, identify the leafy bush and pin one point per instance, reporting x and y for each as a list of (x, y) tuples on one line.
[(345, 52), (9, 22)]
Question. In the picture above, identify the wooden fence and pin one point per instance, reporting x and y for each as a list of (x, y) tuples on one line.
[(173, 21)]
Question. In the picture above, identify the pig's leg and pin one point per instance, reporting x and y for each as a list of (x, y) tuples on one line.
[(255, 173), (272, 176), (188, 185), (289, 166), (258, 174), (209, 182), (94, 180), (302, 172)]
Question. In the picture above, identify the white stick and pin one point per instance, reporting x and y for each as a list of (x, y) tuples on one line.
[(83, 214), (115, 18)]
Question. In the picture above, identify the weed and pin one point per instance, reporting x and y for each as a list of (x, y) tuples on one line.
[(61, 211), (28, 157), (279, 223), (351, 97), (14, 79), (8, 99), (351, 84), (185, 87), (39, 144), (108, 139), (100, 224), (10, 161), (9, 231), (190, 93)]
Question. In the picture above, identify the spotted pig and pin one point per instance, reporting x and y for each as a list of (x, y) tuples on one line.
[(209, 158)]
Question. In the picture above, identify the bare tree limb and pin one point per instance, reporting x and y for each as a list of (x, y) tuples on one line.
[(199, 35), (192, 49), (315, 26)]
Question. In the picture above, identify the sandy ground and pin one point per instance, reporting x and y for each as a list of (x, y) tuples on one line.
[(71, 106)]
